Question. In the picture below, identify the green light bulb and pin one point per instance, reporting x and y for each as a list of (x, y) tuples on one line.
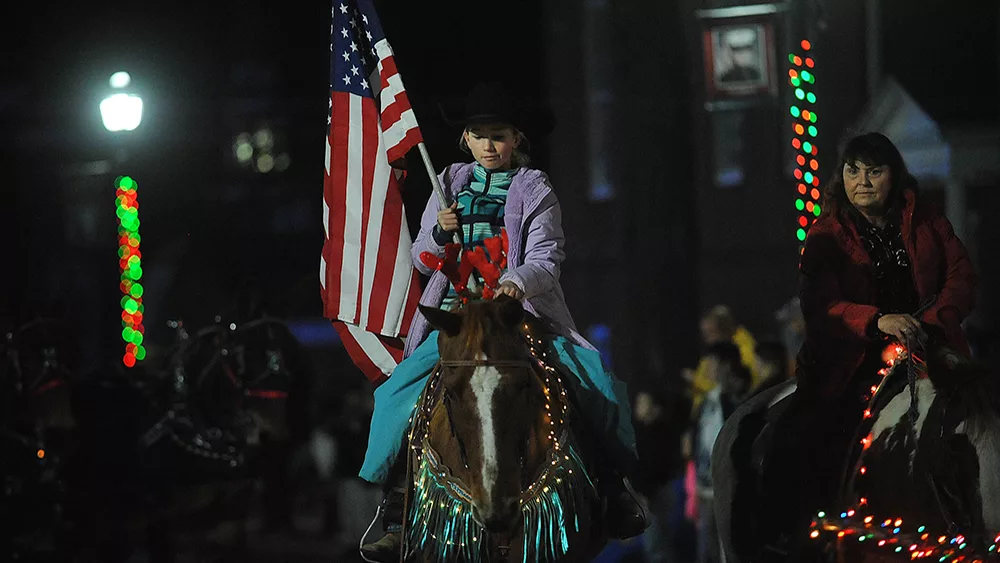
[(124, 301), (801, 234), (127, 334), (136, 337), (799, 93), (812, 117), (794, 110), (806, 76), (816, 210), (807, 147), (136, 290), (811, 97), (791, 58), (131, 306), (800, 205), (135, 272), (809, 177), (796, 82), (140, 353), (812, 131)]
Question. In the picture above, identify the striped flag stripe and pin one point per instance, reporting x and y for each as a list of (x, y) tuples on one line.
[(374, 231), (336, 197), (371, 353), (383, 305)]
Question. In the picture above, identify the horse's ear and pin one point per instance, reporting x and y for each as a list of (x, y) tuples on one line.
[(445, 321), (511, 313)]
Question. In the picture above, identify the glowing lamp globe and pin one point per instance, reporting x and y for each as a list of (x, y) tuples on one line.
[(121, 112)]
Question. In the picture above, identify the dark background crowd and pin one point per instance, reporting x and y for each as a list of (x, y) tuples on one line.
[(674, 172)]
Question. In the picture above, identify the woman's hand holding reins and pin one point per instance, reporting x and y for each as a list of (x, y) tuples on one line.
[(902, 327), (510, 289), (448, 218)]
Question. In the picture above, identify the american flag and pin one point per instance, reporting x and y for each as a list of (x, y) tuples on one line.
[(369, 286)]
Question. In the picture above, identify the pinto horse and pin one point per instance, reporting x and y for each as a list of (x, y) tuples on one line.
[(922, 481), (495, 467)]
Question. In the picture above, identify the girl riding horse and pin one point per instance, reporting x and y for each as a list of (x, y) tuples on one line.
[(499, 194)]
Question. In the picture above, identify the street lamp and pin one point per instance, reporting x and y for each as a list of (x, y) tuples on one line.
[(121, 111)]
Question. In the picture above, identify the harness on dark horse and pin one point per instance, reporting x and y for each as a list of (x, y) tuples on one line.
[(217, 349)]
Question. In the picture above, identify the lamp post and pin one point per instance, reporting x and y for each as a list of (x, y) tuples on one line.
[(122, 111)]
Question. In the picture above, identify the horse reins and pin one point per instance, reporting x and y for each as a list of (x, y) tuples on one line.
[(913, 414)]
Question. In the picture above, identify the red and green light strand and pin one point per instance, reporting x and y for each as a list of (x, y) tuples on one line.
[(804, 132), (857, 524), (130, 264)]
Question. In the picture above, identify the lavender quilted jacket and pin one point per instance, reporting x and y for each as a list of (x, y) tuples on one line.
[(533, 221)]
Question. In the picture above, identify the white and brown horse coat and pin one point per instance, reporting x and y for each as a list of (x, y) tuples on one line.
[(951, 479)]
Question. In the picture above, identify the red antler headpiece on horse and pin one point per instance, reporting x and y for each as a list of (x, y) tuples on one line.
[(490, 260)]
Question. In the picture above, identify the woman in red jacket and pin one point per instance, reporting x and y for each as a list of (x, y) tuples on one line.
[(879, 265)]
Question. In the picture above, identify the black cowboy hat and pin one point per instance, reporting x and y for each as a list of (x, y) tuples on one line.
[(494, 102)]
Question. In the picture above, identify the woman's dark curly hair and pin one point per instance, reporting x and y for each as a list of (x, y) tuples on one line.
[(873, 149)]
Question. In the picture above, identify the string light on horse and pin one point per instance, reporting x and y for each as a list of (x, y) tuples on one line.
[(913, 406), (495, 469)]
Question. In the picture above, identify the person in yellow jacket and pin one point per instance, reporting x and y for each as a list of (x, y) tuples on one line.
[(719, 325)]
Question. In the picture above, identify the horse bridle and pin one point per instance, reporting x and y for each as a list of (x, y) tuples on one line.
[(447, 401)]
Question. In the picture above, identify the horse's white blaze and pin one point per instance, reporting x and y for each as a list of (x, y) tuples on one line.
[(898, 408), (985, 441), (485, 381)]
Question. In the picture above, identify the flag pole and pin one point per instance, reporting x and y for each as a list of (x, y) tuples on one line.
[(442, 199)]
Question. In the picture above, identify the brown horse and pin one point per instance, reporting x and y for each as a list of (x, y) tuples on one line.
[(923, 480), (495, 465)]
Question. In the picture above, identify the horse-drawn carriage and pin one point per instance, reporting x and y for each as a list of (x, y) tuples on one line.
[(107, 462)]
